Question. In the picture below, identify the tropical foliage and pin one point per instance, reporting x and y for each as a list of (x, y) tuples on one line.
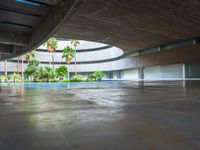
[(29, 56), (44, 74), (61, 72), (52, 45), (75, 43), (96, 76), (68, 53), (15, 77), (77, 78), (37, 73), (3, 79), (31, 69)]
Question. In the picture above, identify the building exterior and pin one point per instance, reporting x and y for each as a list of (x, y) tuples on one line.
[(93, 56)]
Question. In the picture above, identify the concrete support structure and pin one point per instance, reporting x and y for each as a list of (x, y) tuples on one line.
[(24, 26), (117, 65), (30, 24), (141, 73), (160, 40)]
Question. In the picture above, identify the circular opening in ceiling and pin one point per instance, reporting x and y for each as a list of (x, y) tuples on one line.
[(86, 51)]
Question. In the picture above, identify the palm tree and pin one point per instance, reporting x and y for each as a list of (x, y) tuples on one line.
[(15, 77), (75, 43), (29, 56), (68, 53), (22, 67), (51, 44)]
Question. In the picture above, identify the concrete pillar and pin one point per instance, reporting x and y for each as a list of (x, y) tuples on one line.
[(6, 69), (141, 73), (183, 71), (114, 75)]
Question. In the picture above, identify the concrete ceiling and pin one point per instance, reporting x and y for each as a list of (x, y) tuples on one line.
[(26, 24), (128, 24), (134, 24)]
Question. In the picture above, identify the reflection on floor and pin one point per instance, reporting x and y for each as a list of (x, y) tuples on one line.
[(111, 115)]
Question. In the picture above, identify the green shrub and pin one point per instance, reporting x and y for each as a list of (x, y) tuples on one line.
[(44, 74), (77, 78), (32, 68), (15, 77), (3, 79), (66, 80), (95, 76), (61, 72)]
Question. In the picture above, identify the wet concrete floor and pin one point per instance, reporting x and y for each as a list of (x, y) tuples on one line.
[(115, 115)]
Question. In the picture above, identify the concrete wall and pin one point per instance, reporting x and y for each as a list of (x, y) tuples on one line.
[(103, 54), (174, 71), (166, 64), (130, 74), (192, 70)]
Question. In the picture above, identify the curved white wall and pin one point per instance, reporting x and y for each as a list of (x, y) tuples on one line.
[(122, 68), (104, 54), (86, 56), (121, 64)]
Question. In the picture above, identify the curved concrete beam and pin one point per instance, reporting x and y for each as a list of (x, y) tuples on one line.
[(130, 25), (52, 2), (46, 28), (50, 23)]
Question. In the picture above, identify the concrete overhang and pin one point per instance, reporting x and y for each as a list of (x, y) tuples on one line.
[(28, 23), (134, 24), (130, 25)]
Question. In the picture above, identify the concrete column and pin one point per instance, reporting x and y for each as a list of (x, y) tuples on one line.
[(183, 71), (6, 69), (114, 75), (141, 73)]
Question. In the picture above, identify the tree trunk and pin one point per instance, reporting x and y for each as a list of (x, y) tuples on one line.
[(75, 73), (22, 69), (49, 59)]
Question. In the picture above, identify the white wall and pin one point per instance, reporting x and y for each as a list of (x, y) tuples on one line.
[(130, 74), (174, 71), (103, 54), (152, 72)]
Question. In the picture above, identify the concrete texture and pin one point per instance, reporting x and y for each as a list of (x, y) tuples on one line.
[(174, 71), (31, 25), (131, 25), (129, 74), (100, 116)]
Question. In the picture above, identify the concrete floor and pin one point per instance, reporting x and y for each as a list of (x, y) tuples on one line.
[(162, 115)]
